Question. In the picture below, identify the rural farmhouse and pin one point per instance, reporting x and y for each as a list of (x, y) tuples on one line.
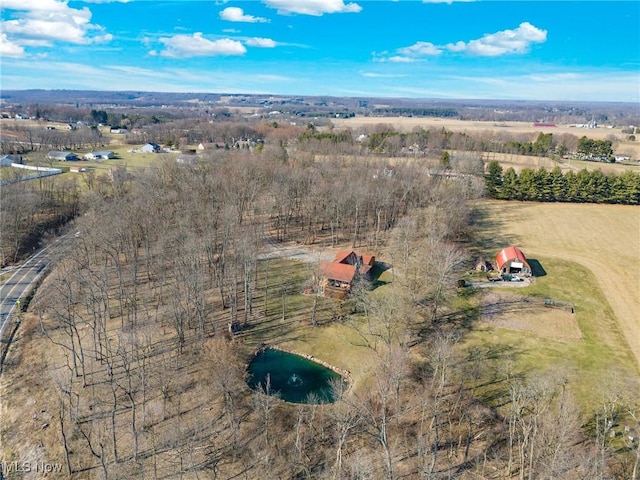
[(336, 278)]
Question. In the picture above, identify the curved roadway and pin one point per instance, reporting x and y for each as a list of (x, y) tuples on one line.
[(19, 284)]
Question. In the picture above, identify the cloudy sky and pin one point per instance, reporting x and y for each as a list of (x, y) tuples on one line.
[(529, 50)]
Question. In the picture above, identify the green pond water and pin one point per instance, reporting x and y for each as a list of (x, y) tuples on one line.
[(292, 377)]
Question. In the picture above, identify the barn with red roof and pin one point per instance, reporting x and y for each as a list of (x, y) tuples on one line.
[(511, 260)]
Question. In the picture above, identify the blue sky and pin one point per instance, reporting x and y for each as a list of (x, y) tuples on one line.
[(526, 50)]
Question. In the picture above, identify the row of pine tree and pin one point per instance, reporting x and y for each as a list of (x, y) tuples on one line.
[(584, 186)]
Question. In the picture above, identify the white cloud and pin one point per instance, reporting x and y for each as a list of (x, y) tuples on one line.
[(501, 43), (235, 14), (106, 38), (313, 7), (505, 42), (382, 75), (197, 46), (420, 49), (106, 1), (43, 22), (412, 53), (261, 42), (399, 59), (9, 48)]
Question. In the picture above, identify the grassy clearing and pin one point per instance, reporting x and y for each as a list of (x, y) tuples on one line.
[(589, 362), (287, 321), (604, 239), (584, 266), (408, 123)]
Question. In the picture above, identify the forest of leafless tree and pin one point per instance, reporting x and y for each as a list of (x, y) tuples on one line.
[(144, 379)]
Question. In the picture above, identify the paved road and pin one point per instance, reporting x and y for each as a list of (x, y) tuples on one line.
[(20, 282)]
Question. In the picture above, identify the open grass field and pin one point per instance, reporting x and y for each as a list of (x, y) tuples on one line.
[(591, 256), (621, 144), (408, 123)]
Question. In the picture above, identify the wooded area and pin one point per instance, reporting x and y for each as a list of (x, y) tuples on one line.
[(144, 378)]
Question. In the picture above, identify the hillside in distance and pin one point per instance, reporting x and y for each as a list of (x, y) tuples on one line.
[(463, 109)]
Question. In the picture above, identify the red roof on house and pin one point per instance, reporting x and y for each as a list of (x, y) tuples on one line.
[(509, 254), (345, 266), (342, 255), (343, 272)]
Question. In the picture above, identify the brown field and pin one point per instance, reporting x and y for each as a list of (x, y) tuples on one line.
[(408, 123), (531, 317), (603, 238), (621, 145)]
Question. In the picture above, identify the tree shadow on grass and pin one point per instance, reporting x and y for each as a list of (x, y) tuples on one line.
[(376, 272), (536, 268), (483, 223)]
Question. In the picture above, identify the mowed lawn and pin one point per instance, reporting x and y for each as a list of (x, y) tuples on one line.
[(604, 239)]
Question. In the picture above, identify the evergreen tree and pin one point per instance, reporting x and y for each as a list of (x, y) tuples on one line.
[(493, 179), (510, 185), (543, 144), (630, 187), (584, 186), (599, 187), (541, 185), (559, 185), (527, 184), (572, 186)]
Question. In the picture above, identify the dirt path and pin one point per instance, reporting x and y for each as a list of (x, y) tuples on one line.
[(274, 249)]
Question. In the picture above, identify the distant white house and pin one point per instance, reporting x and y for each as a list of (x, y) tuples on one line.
[(101, 155), (150, 147), (120, 130), (62, 156)]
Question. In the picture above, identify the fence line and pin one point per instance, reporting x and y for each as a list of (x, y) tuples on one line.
[(41, 172)]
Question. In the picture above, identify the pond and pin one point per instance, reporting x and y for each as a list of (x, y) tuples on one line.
[(292, 377)]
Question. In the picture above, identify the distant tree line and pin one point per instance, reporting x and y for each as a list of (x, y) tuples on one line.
[(541, 147), (417, 112), (583, 186), (384, 139), (323, 113)]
